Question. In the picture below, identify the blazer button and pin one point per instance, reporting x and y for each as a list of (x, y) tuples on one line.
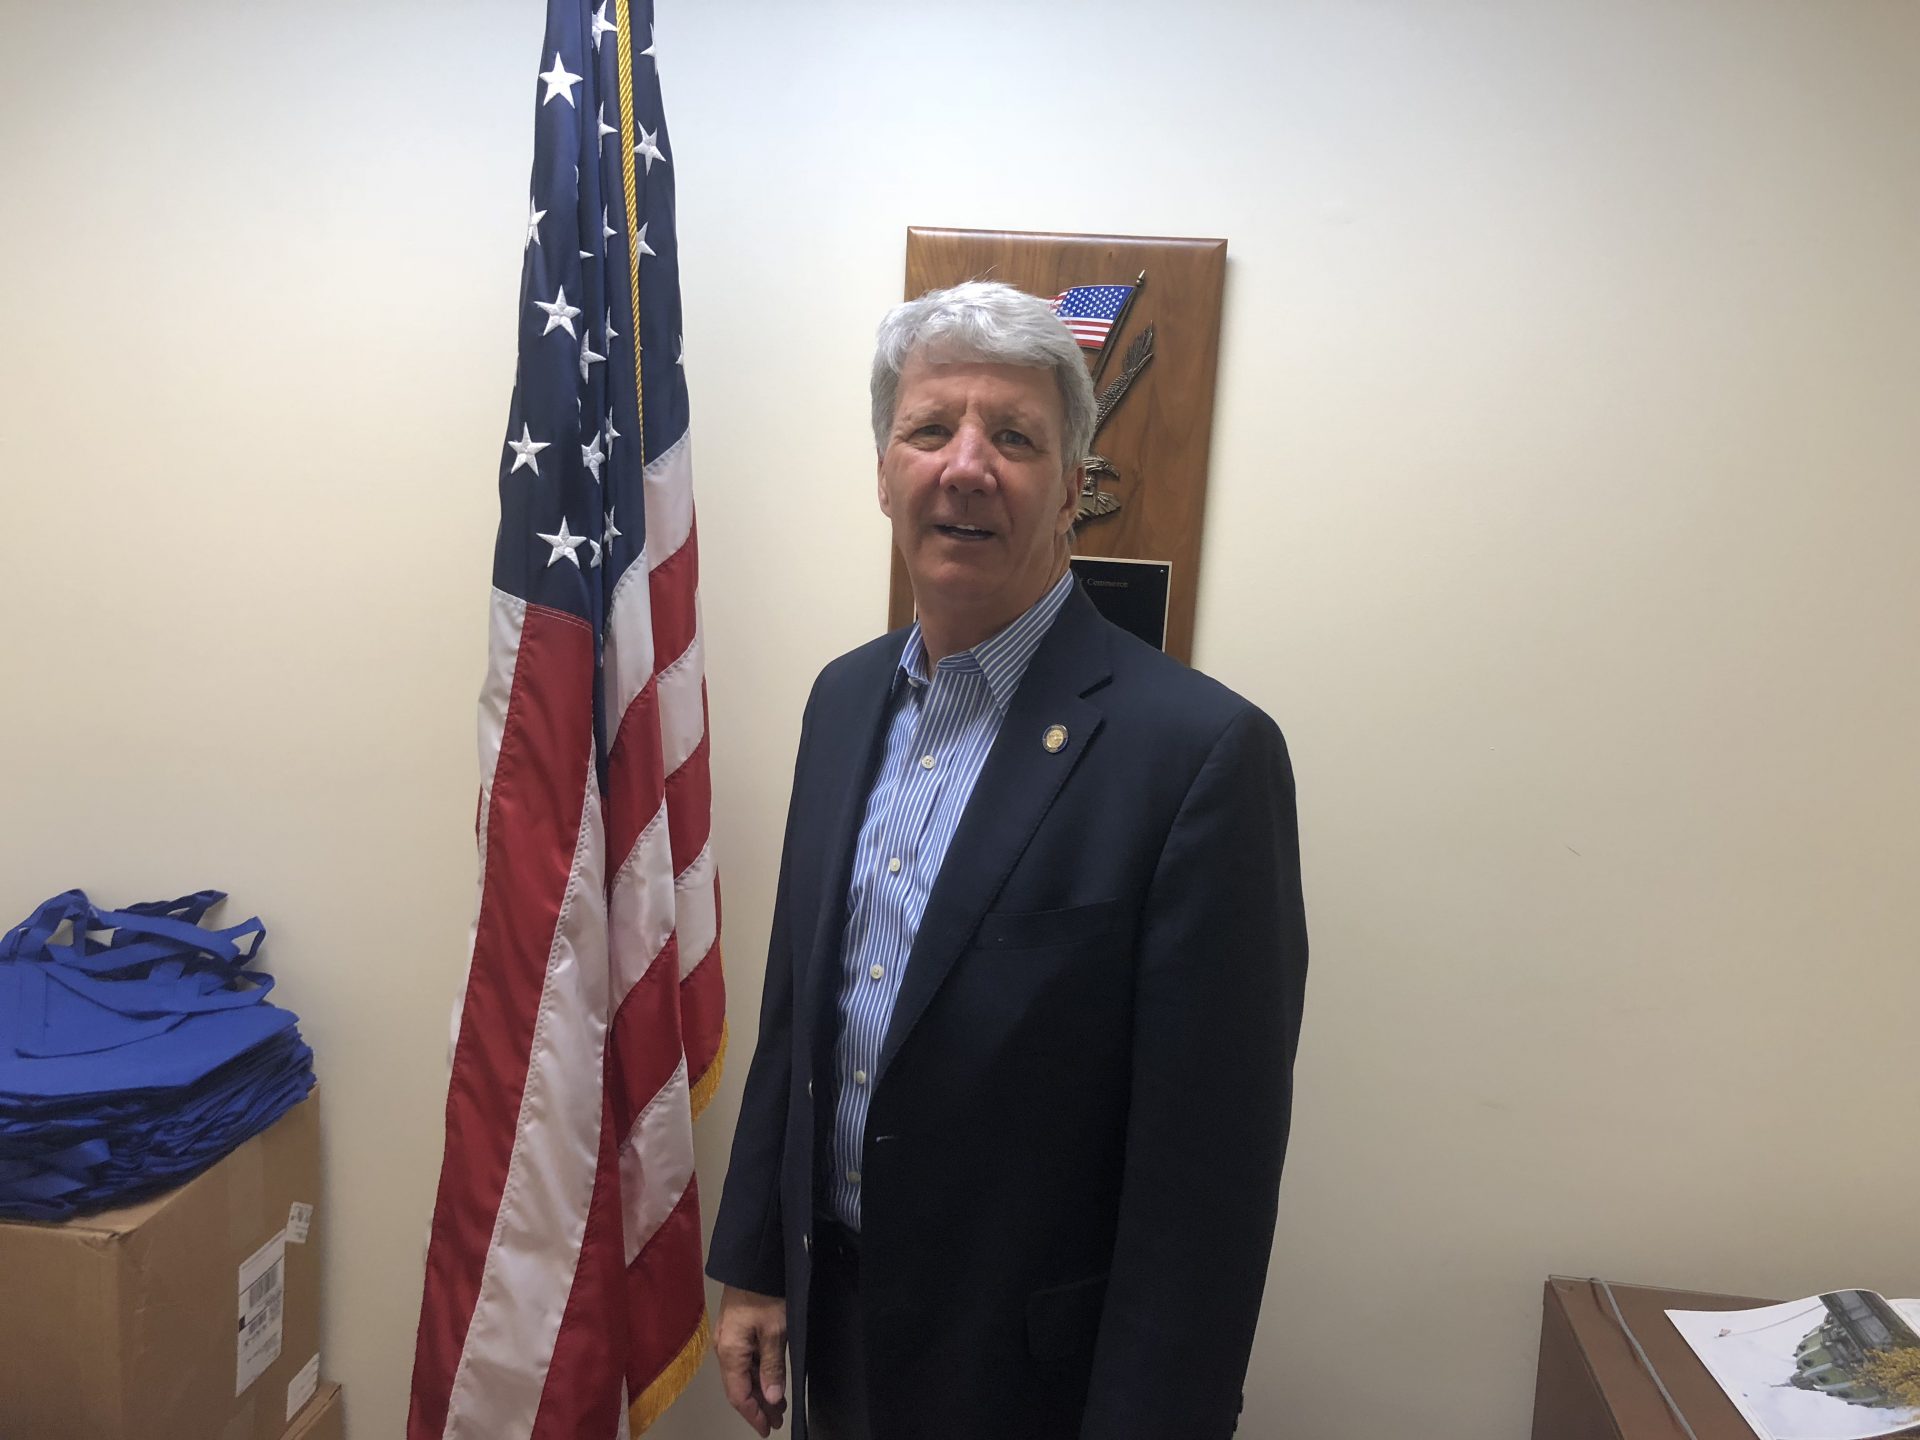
[(806, 1243)]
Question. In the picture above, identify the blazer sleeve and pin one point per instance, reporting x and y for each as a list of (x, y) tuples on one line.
[(747, 1250), (1219, 982)]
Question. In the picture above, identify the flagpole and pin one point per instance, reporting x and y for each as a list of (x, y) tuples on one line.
[(1113, 330)]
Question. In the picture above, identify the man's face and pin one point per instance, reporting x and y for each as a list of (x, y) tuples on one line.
[(975, 482)]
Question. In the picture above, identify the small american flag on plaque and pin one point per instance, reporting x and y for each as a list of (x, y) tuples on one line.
[(1090, 310)]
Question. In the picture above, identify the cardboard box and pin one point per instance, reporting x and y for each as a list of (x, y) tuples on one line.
[(323, 1419), (185, 1317)]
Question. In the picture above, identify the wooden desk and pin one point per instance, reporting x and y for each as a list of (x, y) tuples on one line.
[(1591, 1386)]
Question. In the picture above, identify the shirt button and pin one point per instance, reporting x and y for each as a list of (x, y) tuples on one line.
[(893, 866), (859, 1077), (853, 1177), (806, 1242), (926, 762), (878, 972)]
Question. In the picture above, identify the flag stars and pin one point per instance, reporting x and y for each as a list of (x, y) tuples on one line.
[(607, 232), (559, 314), (593, 457), (614, 532), (649, 148), (602, 25), (565, 545), (534, 217), (560, 81), (605, 128), (526, 450), (587, 357), (680, 345), (640, 241), (594, 563), (612, 435), (650, 44)]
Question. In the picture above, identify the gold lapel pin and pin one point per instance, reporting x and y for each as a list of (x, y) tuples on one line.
[(1055, 739)]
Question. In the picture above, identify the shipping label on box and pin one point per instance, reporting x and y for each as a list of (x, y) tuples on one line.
[(300, 1389), (263, 1292)]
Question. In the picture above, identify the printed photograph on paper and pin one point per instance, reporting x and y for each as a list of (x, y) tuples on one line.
[(1840, 1366)]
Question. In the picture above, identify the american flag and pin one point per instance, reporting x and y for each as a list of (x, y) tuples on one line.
[(1090, 311), (563, 1287)]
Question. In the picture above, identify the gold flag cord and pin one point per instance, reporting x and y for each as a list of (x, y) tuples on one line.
[(632, 191)]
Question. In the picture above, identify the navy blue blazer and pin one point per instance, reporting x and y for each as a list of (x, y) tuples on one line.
[(1075, 1137)]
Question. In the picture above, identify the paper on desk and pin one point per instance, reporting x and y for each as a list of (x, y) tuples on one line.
[(1807, 1370)]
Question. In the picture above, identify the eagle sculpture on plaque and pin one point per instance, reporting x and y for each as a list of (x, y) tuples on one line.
[(1095, 314)]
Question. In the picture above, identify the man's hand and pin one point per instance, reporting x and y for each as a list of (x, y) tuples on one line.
[(752, 1346)]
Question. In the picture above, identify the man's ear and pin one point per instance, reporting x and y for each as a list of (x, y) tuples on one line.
[(880, 475)]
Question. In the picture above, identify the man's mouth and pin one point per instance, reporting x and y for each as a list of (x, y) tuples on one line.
[(964, 532)]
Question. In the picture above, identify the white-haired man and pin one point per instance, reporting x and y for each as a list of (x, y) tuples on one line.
[(1011, 1139)]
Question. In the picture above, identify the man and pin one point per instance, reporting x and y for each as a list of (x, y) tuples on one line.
[(1010, 1143)]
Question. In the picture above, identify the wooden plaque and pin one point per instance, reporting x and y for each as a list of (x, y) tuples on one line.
[(1158, 434)]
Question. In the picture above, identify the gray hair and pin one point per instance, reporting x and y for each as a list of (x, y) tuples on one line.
[(984, 320)]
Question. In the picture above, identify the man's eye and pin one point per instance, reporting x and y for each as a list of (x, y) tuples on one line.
[(1014, 437), (930, 432)]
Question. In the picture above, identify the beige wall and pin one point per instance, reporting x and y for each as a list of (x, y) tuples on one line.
[(1563, 511)]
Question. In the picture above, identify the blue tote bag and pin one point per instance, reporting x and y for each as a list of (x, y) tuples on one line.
[(136, 1048)]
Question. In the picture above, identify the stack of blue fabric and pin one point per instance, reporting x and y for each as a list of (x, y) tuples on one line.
[(137, 1047)]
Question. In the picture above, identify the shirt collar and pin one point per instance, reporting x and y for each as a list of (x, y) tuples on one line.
[(1003, 658)]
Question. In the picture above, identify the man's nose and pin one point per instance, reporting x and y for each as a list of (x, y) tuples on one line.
[(970, 460)]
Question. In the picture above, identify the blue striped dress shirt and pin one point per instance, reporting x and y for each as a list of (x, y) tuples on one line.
[(943, 725)]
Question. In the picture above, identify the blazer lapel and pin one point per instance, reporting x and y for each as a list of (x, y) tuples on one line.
[(854, 729), (1016, 787)]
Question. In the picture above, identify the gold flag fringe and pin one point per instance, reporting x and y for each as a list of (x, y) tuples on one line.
[(709, 1081), (666, 1388)]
